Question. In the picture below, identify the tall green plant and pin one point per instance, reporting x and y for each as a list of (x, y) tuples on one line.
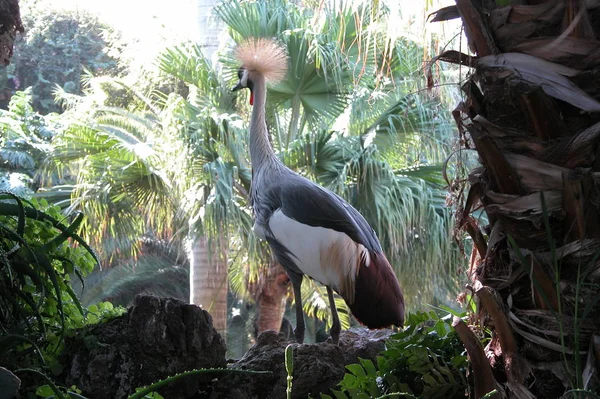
[(426, 360), (38, 305), (116, 165)]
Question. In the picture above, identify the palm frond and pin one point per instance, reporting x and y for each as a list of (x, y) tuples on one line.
[(150, 274), (119, 179), (258, 19)]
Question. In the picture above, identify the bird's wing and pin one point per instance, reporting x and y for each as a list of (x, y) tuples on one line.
[(313, 205)]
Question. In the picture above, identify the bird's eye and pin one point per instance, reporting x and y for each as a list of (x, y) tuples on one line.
[(240, 73)]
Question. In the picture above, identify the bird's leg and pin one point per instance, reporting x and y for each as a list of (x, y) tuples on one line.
[(299, 312), (335, 325)]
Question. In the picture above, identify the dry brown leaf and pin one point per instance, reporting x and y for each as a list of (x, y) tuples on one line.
[(579, 248), (514, 25), (479, 36), (511, 140), (552, 333), (516, 367), (584, 139), (494, 161), (548, 75), (543, 342), (591, 377), (526, 205), (482, 372), (542, 286), (554, 49), (547, 12), (576, 21), (536, 175), (444, 14)]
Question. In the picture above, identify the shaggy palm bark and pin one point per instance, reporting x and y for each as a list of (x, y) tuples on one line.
[(270, 293), (531, 113)]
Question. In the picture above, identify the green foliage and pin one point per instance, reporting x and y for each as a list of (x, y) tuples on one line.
[(49, 391), (426, 360), (38, 306), (56, 50), (37, 263), (121, 185), (148, 392)]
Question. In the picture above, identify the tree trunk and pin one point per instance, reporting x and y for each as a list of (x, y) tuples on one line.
[(531, 112), (271, 295), (208, 280)]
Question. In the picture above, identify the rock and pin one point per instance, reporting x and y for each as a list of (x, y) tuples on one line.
[(9, 384), (157, 338), (317, 367)]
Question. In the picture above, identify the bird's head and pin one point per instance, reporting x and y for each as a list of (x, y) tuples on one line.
[(245, 82), (260, 57)]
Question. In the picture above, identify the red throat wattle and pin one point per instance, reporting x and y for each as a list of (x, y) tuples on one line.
[(251, 98)]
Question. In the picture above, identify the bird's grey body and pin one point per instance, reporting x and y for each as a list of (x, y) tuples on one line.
[(311, 230), (307, 203)]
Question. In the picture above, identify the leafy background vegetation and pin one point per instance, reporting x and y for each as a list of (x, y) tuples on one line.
[(57, 49)]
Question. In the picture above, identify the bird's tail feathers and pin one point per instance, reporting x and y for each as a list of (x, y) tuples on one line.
[(378, 298), (264, 56)]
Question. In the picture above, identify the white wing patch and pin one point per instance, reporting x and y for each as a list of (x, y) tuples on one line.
[(327, 256)]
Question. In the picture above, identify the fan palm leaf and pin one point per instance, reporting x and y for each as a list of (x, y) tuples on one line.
[(119, 178)]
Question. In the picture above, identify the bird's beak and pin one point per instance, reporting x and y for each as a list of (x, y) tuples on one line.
[(238, 87)]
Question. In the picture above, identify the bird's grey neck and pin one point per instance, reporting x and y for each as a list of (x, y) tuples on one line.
[(261, 151)]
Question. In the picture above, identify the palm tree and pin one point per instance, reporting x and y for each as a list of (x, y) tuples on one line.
[(216, 171), (531, 112), (114, 159)]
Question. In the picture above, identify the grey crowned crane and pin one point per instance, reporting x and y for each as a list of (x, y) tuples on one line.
[(310, 229)]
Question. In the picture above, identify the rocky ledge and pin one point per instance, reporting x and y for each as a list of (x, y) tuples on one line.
[(160, 337)]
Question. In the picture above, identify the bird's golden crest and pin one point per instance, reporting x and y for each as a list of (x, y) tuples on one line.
[(264, 56)]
